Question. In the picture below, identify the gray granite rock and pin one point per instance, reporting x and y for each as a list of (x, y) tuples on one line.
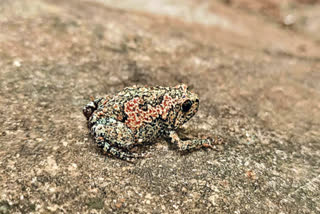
[(258, 83)]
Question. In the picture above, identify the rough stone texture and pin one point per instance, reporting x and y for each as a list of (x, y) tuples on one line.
[(258, 82)]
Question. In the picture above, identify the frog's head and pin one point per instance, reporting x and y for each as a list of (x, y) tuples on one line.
[(187, 104)]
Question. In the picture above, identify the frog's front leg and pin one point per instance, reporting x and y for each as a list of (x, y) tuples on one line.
[(184, 145)]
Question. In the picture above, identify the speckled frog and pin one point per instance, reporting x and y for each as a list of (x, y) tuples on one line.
[(142, 114)]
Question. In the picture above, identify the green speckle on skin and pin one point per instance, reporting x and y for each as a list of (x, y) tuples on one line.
[(32, 207), (95, 203), (4, 207)]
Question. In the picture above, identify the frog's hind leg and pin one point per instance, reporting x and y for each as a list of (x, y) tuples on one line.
[(115, 139), (116, 152), (110, 148)]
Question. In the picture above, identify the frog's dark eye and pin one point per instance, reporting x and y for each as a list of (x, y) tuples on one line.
[(186, 106)]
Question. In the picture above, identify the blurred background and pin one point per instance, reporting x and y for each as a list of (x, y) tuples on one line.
[(299, 15)]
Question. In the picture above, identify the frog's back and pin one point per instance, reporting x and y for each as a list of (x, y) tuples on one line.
[(146, 95)]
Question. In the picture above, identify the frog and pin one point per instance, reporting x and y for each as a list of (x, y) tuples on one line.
[(140, 114)]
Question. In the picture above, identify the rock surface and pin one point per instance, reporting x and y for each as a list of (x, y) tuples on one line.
[(254, 66)]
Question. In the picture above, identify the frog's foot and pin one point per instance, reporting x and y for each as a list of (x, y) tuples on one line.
[(193, 144), (124, 155), (212, 142)]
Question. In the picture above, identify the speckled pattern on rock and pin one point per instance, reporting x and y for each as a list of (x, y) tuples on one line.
[(257, 81)]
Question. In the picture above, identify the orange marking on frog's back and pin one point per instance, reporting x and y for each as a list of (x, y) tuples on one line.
[(137, 116)]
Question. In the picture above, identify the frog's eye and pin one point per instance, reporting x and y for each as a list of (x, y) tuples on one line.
[(186, 106)]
